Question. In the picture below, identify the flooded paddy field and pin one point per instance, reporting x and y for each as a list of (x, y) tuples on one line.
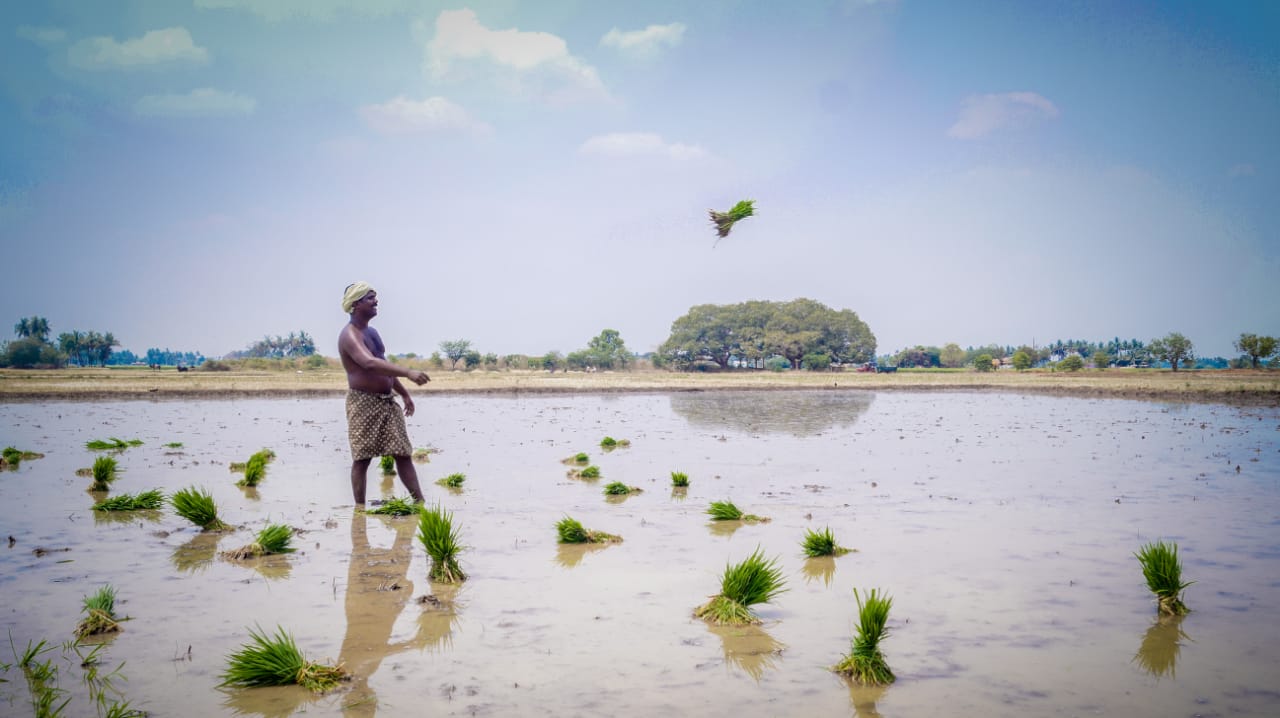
[(1003, 525)]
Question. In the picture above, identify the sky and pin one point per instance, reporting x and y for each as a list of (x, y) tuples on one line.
[(196, 174)]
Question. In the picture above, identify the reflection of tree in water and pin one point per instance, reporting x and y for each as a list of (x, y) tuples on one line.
[(197, 554), (864, 698), (1161, 645), (748, 648), (800, 413), (378, 589), (569, 555), (821, 568)]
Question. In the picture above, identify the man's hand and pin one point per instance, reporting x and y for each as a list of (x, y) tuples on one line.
[(408, 404), (418, 377)]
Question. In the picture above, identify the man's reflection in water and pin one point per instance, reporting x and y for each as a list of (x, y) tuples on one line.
[(378, 588)]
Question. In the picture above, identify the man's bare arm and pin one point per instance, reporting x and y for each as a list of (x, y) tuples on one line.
[(353, 347)]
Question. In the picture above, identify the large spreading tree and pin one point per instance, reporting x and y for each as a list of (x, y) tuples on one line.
[(1256, 347), (1173, 348)]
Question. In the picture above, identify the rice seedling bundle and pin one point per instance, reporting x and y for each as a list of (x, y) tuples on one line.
[(388, 465), (453, 481), (12, 457), (1163, 571), (617, 488), (254, 470), (424, 455), (276, 661), (152, 499), (441, 540), (591, 472), (104, 472), (572, 531), (397, 506), (866, 664), (754, 580), (679, 479), (272, 539), (821, 543), (579, 458), (173, 445), (198, 507), (112, 444), (609, 442), (724, 221), (100, 608), (727, 511)]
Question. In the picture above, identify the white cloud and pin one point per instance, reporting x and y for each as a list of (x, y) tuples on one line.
[(44, 36), (204, 102), (644, 43), (318, 10), (172, 44), (434, 114), (536, 59), (984, 114), (1243, 169), (635, 144)]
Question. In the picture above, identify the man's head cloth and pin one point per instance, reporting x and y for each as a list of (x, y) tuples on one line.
[(354, 293)]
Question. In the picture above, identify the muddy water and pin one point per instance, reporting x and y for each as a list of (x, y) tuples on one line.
[(1002, 525)]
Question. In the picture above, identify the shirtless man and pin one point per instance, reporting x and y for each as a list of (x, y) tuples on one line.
[(375, 425)]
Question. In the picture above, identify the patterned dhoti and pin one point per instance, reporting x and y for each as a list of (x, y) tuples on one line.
[(375, 426)]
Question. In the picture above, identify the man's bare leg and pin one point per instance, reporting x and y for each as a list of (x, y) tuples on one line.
[(409, 476), (359, 474)]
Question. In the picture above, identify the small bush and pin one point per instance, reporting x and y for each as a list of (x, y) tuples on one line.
[(1071, 363), (214, 365)]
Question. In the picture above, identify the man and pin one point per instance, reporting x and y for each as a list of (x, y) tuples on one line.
[(375, 425)]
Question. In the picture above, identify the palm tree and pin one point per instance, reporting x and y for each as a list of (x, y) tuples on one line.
[(40, 329), (22, 328)]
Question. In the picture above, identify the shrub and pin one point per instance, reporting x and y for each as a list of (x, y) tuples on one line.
[(215, 365), (816, 362), (984, 362), (1071, 363), (777, 364)]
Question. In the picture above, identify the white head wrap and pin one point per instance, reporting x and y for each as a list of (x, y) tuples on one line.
[(354, 293)]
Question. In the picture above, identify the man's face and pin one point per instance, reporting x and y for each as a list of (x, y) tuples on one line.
[(367, 304)]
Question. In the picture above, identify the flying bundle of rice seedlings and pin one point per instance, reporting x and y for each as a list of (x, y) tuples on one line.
[(755, 580), (197, 507), (276, 661), (679, 479), (617, 488), (1163, 571), (388, 465), (104, 472), (866, 663), (112, 444), (821, 543), (726, 511), (572, 531), (272, 539), (441, 540), (101, 613), (152, 499), (724, 221), (452, 481), (397, 506)]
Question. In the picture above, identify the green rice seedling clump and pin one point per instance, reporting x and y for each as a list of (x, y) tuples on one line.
[(452, 481), (173, 445), (727, 511), (617, 488), (581, 458), (441, 540), (608, 442), (397, 506), (724, 221), (104, 472), (591, 472), (254, 471), (572, 531), (424, 455), (12, 457), (679, 479), (821, 543), (100, 610), (388, 465), (276, 661), (754, 580), (198, 507), (1163, 572), (152, 499), (112, 444), (273, 539), (866, 664)]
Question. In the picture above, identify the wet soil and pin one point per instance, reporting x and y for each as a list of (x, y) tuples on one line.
[(1003, 526)]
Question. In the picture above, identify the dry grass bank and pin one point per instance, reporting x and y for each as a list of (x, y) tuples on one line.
[(142, 383)]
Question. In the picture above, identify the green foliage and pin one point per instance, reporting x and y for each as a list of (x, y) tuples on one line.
[(754, 580), (11, 458), (112, 444), (724, 221), (821, 543), (724, 511), (1100, 359), (984, 362), (35, 327), (581, 458), (866, 664), (254, 470), (1173, 348), (591, 472), (617, 488), (273, 539), (952, 356), (472, 359), (455, 350), (100, 613), (816, 362), (104, 472), (198, 507), (679, 479), (442, 543), (571, 531), (1163, 571), (1256, 347), (276, 661), (777, 364), (152, 499), (388, 465), (608, 442), (397, 507), (1071, 363), (1021, 360), (453, 481)]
